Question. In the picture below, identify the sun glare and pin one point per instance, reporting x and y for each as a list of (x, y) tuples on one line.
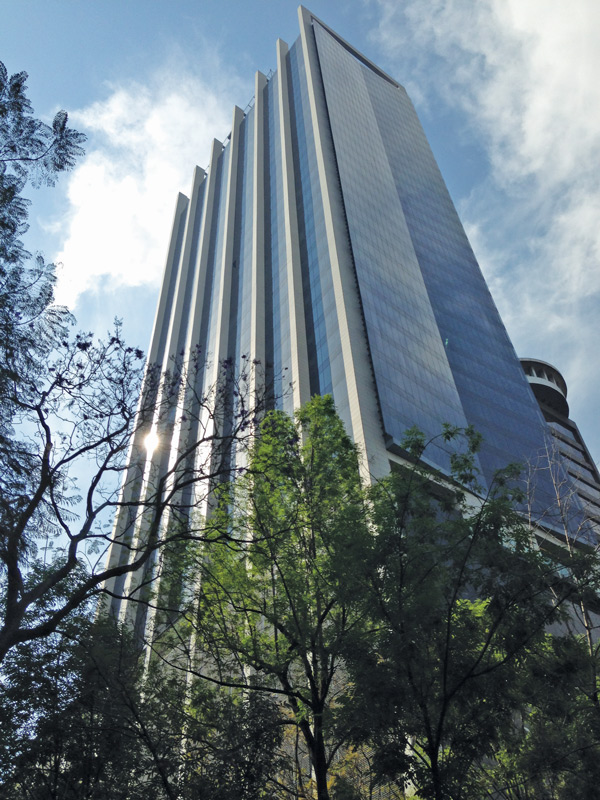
[(151, 442)]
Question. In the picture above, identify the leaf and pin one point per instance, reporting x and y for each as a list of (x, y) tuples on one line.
[(59, 123)]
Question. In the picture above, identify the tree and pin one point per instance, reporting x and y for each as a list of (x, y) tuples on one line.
[(276, 605), (83, 415), (461, 597), (81, 720), (65, 733), (29, 150), (404, 620), (70, 407), (552, 752)]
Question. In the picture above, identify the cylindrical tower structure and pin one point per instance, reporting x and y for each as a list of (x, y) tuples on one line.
[(549, 386)]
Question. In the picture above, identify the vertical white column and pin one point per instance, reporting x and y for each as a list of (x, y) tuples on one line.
[(164, 312), (364, 412), (133, 480), (163, 422), (298, 348), (221, 303), (257, 313), (185, 432), (177, 321), (223, 294), (209, 210)]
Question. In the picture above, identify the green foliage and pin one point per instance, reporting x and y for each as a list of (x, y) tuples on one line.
[(278, 603), (406, 620), (80, 721), (347, 643), (29, 150), (553, 752), (64, 735), (232, 743), (460, 596)]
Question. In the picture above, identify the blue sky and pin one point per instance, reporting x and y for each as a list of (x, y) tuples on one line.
[(507, 91)]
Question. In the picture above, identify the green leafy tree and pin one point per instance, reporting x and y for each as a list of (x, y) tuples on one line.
[(30, 151), (64, 733), (81, 720), (277, 604), (552, 752), (461, 597), (232, 746)]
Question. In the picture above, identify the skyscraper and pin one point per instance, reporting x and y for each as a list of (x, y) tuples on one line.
[(322, 243)]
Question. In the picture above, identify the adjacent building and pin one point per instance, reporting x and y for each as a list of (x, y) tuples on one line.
[(321, 242), (567, 445)]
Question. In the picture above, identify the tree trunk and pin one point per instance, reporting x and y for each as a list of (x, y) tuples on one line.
[(319, 760)]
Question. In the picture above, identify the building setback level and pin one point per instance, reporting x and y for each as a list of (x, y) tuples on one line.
[(322, 243)]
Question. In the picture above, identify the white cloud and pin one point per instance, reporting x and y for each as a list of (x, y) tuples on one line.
[(525, 74), (526, 70), (144, 140)]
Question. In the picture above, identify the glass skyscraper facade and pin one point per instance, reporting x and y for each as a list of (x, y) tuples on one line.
[(322, 243)]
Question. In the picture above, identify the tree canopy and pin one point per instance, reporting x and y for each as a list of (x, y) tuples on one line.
[(276, 605), (80, 720), (461, 597), (332, 640)]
